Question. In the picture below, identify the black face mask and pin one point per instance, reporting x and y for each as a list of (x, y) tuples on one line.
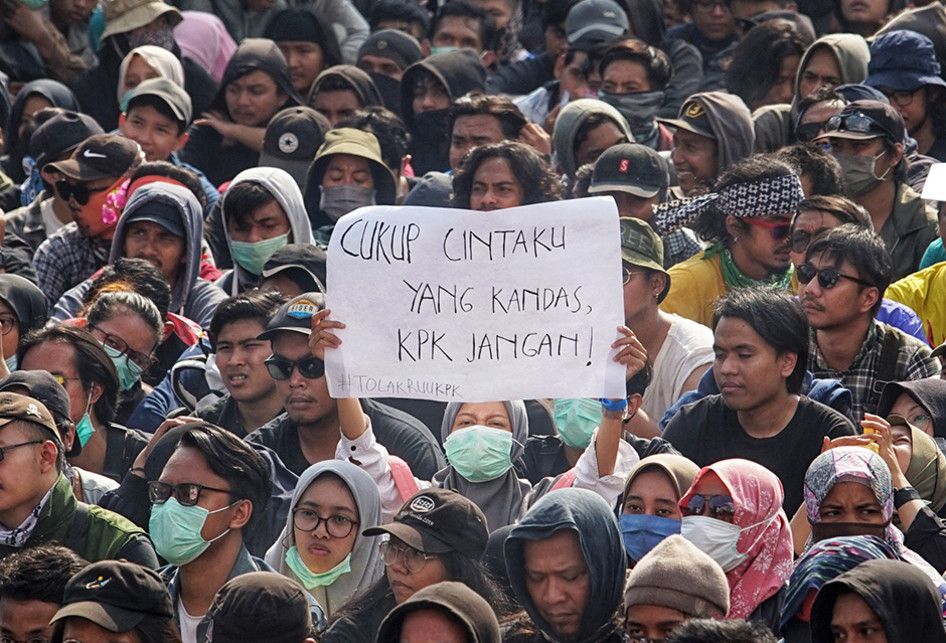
[(390, 91), (430, 148), (826, 530)]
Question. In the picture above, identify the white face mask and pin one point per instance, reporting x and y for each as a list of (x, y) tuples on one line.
[(718, 539)]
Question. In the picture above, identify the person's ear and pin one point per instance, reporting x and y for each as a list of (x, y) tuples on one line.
[(868, 296), (242, 513), (634, 405), (733, 227), (95, 392), (658, 281), (121, 120), (897, 155), (559, 68), (48, 456), (181, 141), (786, 363)]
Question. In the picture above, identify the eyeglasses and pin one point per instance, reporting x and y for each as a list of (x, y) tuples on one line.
[(3, 450), (629, 273), (807, 132), (707, 6), (719, 507), (413, 560), (901, 98), (7, 324), (858, 122), (335, 525), (281, 368), (827, 277), (801, 238), (117, 343), (78, 191), (186, 493), (778, 229)]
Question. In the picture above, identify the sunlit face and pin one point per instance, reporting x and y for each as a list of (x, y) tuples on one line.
[(459, 32), (158, 246), (760, 246), (821, 70), (835, 307), (137, 72), (902, 439), (652, 493), (710, 484), (625, 77), (26, 620), (853, 621), (405, 583), (240, 357), (694, 159), (347, 169), (253, 99), (850, 501), (305, 60), (491, 414), (329, 499), (598, 139), (266, 222), (306, 401), (557, 580), (495, 186), (472, 131), (908, 408), (158, 135), (814, 222), (336, 105), (747, 369)]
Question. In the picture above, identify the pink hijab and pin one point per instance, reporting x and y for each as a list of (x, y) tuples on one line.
[(204, 39), (766, 536)]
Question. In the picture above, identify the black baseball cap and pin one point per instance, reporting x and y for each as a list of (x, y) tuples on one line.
[(100, 156), (591, 23), (292, 138), (305, 263), (437, 521), (60, 135), (260, 607), (632, 168), (169, 93), (161, 212), (692, 118), (399, 47), (42, 386), (295, 315), (115, 595), (866, 119)]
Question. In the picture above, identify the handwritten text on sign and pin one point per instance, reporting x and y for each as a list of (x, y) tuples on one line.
[(458, 305)]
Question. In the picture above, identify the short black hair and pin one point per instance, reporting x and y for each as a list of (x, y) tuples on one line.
[(182, 175), (467, 10), (135, 275), (841, 208), (863, 249), (511, 121), (233, 460), (821, 95), (408, 11), (160, 106), (817, 164), (391, 132), (776, 317), (653, 60), (258, 305), (539, 184), (243, 199), (39, 573), (707, 630)]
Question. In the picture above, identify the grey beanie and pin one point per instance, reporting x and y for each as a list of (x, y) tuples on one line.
[(677, 575)]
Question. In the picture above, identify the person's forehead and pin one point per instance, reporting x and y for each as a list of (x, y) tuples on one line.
[(733, 331), (240, 330), (457, 23), (378, 59), (477, 123), (150, 226), (347, 162), (188, 464), (256, 77)]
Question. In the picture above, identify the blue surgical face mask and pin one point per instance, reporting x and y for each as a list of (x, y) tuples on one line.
[(643, 532), (442, 50), (11, 363), (175, 531), (252, 256), (479, 453), (84, 428), (309, 579), (576, 420), (128, 372)]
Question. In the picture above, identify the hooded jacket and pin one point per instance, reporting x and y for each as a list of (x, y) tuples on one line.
[(775, 124), (592, 521), (570, 120), (930, 393), (52, 90), (731, 122), (284, 189), (459, 72), (359, 82)]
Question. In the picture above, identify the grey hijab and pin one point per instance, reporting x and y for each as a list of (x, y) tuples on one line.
[(366, 565), (505, 499)]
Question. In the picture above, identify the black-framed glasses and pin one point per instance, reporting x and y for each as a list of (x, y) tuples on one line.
[(720, 507), (336, 525), (858, 122), (802, 238), (413, 559), (8, 323), (900, 98), (827, 277), (186, 493), (78, 191), (807, 132), (117, 343), (9, 447), (281, 368)]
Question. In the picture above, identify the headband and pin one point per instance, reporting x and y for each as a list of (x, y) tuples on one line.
[(778, 196)]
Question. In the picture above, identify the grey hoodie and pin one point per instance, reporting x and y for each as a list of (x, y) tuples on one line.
[(284, 188), (731, 123), (192, 297), (775, 124), (570, 120)]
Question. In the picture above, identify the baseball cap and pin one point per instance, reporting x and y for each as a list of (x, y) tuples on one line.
[(100, 156), (903, 60), (295, 315), (60, 135), (168, 92), (260, 607), (866, 119), (43, 387), (641, 246), (394, 45), (594, 22), (14, 406), (292, 138), (692, 118), (299, 257), (161, 212), (457, 601), (437, 521), (632, 168), (115, 595)]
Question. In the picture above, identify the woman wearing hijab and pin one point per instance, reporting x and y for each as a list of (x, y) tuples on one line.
[(229, 137), (878, 594), (33, 97), (204, 39), (823, 562), (322, 545), (22, 310), (143, 63), (921, 402), (650, 512), (733, 513)]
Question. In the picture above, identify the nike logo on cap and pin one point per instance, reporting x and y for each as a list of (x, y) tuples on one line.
[(89, 154)]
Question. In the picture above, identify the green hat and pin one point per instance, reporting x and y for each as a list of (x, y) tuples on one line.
[(347, 140), (641, 246)]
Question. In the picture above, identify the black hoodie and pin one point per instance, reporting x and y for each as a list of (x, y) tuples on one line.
[(929, 393)]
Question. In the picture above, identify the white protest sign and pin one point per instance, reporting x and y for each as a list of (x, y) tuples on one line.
[(457, 305)]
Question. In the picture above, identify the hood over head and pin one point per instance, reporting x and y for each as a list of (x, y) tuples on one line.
[(930, 393), (359, 82), (52, 90), (257, 54), (26, 300), (460, 72), (731, 123), (851, 52), (570, 120), (159, 59)]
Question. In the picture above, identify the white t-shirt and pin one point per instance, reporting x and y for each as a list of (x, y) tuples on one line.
[(188, 623), (50, 221), (688, 346)]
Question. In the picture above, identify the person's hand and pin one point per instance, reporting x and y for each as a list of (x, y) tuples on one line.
[(166, 426), (223, 126), (27, 22), (883, 436), (846, 441), (537, 138), (322, 336), (630, 352)]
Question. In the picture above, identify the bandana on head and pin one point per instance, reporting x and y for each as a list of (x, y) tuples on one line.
[(778, 196)]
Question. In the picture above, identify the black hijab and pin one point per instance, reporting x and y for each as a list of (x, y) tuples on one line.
[(929, 393), (27, 301), (52, 90)]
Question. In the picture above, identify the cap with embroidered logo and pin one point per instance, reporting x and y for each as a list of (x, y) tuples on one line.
[(14, 406), (692, 118), (295, 315), (632, 168), (100, 156)]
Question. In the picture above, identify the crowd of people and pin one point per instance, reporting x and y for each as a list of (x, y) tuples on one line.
[(174, 469)]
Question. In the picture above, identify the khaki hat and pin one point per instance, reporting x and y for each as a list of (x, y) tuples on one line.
[(347, 140), (641, 246), (122, 16), (14, 406)]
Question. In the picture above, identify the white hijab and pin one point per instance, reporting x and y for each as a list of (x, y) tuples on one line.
[(161, 60)]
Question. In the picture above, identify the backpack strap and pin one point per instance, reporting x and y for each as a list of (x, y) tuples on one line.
[(564, 481), (76, 538), (403, 477), (886, 366)]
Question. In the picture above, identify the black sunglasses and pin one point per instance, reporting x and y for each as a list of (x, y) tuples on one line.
[(806, 132), (801, 238), (718, 506), (281, 368), (80, 192), (827, 277)]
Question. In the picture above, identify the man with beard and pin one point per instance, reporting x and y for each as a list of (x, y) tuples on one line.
[(845, 274)]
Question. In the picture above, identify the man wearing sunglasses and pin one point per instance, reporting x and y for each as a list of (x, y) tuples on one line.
[(92, 186), (845, 274), (867, 139), (310, 429)]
